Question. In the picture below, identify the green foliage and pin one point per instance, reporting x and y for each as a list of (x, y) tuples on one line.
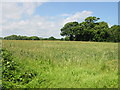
[(12, 37), (91, 19), (67, 38), (15, 37), (101, 32), (69, 29), (12, 76), (63, 64), (114, 33), (91, 30), (34, 38), (52, 38)]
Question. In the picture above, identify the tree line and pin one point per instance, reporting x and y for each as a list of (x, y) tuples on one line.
[(91, 30), (88, 30), (19, 37)]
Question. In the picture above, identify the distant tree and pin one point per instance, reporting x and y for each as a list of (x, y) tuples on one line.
[(90, 30), (11, 37), (84, 31), (52, 38), (23, 38), (45, 39), (88, 25), (79, 33), (15, 37), (100, 32), (34, 38), (114, 33), (69, 30)]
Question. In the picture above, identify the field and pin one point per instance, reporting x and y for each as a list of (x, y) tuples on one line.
[(64, 64)]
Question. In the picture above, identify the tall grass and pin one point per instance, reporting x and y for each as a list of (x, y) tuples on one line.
[(65, 64)]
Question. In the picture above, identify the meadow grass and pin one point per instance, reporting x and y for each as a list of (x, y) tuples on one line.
[(66, 64)]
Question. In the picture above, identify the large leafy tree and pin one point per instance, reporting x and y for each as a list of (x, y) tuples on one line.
[(82, 31), (69, 30), (90, 30)]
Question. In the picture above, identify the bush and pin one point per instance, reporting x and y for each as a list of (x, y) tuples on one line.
[(12, 75)]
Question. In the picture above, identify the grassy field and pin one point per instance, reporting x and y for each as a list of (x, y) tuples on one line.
[(65, 64)]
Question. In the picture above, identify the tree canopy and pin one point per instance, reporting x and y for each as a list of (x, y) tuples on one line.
[(69, 30), (91, 30)]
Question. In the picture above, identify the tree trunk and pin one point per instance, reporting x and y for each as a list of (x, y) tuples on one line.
[(71, 38)]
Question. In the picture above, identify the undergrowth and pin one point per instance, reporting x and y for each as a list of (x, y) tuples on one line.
[(12, 74)]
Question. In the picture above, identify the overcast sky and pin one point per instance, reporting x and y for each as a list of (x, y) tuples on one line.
[(44, 19)]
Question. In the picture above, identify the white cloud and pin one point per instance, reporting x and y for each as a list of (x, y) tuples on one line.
[(30, 7), (78, 16), (11, 14), (15, 11), (35, 25), (11, 11)]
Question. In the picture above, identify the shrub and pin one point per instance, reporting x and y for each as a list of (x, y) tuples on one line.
[(12, 76)]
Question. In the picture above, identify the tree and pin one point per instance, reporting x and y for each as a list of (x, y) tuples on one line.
[(100, 31), (114, 33), (91, 30), (15, 37), (79, 32), (52, 38), (67, 38), (69, 30), (84, 31), (91, 19), (11, 37), (34, 38)]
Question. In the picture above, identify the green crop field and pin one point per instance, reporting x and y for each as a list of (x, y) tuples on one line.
[(62, 64)]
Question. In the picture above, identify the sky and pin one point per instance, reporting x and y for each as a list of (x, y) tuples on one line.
[(45, 19)]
